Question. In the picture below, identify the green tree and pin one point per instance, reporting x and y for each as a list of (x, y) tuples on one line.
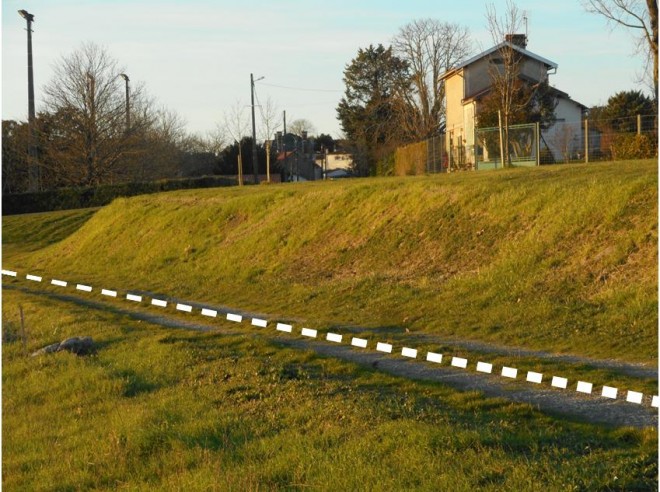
[(370, 108), (537, 104), (622, 110), (14, 156)]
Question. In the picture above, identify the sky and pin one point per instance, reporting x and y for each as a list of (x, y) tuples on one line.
[(195, 57)]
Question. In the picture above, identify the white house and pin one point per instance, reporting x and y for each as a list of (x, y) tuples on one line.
[(468, 83)]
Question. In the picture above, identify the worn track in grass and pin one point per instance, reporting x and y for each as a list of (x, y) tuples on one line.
[(566, 403)]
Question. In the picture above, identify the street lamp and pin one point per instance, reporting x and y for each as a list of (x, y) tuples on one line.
[(33, 170), (128, 104), (255, 166)]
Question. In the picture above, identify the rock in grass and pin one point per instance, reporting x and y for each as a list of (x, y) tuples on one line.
[(75, 345)]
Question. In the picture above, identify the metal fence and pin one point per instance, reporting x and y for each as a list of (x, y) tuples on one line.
[(523, 146), (588, 140)]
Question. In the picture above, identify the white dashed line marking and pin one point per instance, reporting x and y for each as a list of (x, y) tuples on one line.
[(409, 352), (284, 327), (308, 332), (534, 377), (333, 337), (634, 397), (359, 342), (509, 372), (559, 382), (384, 347), (584, 387), (433, 357), (609, 392), (459, 362), (184, 307)]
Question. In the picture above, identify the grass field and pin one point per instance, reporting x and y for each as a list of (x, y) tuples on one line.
[(177, 410), (561, 259)]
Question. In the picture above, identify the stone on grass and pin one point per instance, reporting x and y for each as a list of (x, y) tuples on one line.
[(75, 345)]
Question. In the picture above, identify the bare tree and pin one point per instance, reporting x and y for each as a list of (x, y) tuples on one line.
[(217, 139), (504, 69), (430, 48), (635, 14), (270, 122), (237, 126), (301, 125), (87, 100)]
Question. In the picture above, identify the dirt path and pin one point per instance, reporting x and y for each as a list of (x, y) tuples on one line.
[(637, 370), (567, 403)]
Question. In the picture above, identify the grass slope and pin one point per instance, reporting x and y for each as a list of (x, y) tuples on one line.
[(166, 409), (560, 258)]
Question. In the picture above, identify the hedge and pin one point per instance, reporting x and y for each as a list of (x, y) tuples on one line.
[(70, 198), (411, 159)]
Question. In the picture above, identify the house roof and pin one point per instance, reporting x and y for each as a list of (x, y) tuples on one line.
[(549, 64)]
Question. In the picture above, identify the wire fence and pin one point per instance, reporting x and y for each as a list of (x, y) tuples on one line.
[(589, 140)]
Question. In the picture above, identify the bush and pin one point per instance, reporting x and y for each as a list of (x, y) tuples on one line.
[(70, 198), (411, 159), (633, 146)]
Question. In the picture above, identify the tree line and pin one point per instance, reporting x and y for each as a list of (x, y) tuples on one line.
[(92, 131)]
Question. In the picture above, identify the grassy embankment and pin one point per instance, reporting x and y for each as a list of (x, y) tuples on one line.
[(166, 409), (559, 258), (173, 409)]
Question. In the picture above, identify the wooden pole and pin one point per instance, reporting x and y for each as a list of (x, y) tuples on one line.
[(538, 143), (499, 120), (586, 140), (268, 161)]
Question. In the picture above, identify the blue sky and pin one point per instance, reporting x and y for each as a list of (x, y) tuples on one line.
[(195, 57)]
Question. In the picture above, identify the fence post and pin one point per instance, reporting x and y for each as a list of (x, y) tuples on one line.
[(639, 124), (499, 120), (586, 140), (538, 143)]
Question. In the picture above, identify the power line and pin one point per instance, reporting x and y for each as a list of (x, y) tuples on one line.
[(299, 88)]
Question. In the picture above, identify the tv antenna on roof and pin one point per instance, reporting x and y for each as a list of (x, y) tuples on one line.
[(525, 19)]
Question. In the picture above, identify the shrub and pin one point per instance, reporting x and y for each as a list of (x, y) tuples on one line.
[(633, 146), (70, 198)]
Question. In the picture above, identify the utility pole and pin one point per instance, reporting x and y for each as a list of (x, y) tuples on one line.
[(255, 166), (128, 105), (285, 161), (33, 169)]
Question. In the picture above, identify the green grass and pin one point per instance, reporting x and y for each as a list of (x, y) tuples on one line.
[(165, 409), (560, 258)]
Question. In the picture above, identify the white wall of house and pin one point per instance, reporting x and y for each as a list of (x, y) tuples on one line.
[(339, 161), (565, 139)]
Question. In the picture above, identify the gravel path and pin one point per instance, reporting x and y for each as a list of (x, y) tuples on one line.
[(567, 403)]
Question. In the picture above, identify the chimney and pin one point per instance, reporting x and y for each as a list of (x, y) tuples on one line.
[(517, 39)]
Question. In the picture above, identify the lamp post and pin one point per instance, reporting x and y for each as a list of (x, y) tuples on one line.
[(128, 104), (255, 167), (33, 170)]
